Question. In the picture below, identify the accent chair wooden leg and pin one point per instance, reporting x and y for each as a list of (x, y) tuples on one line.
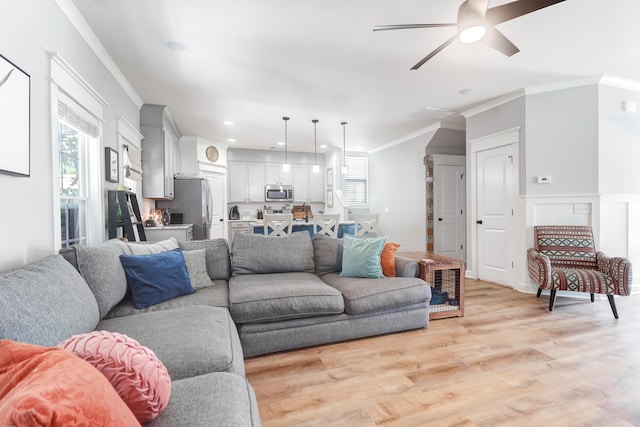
[(592, 298), (552, 299), (612, 303), (539, 292)]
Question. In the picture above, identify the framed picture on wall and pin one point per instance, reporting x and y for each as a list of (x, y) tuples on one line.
[(15, 126), (330, 198), (110, 164), (330, 178)]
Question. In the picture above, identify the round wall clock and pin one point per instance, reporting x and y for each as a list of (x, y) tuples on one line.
[(212, 153)]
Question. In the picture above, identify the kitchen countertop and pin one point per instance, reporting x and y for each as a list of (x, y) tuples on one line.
[(171, 227), (260, 223)]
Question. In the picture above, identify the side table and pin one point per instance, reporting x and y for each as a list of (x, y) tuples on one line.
[(446, 277)]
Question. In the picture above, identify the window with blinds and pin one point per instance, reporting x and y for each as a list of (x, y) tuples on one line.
[(355, 182)]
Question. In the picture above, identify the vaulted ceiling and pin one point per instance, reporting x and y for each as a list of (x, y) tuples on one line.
[(254, 61)]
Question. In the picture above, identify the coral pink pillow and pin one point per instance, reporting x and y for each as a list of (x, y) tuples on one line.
[(388, 259), (44, 386), (138, 376)]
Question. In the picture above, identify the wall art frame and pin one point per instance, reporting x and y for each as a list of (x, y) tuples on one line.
[(330, 178), (15, 119), (330, 197), (111, 165)]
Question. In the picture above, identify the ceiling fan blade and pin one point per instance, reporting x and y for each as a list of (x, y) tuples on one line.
[(478, 6), (499, 42), (434, 52), (508, 11), (409, 26)]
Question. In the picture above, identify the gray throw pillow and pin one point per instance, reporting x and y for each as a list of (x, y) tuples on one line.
[(327, 254), (197, 268)]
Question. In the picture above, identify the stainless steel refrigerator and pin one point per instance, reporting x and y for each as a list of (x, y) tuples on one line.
[(191, 199)]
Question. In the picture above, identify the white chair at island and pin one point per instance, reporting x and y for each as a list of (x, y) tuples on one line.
[(280, 224), (326, 224), (365, 224)]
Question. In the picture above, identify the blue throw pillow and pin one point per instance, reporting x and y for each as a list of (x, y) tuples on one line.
[(156, 277), (361, 256)]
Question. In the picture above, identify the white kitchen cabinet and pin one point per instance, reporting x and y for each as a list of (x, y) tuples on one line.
[(160, 151), (246, 182), (317, 189), (181, 232), (275, 175), (301, 178)]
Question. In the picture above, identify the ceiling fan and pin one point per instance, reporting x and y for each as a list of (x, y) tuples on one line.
[(477, 22)]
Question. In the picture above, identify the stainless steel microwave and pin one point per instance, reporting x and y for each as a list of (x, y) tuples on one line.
[(278, 193)]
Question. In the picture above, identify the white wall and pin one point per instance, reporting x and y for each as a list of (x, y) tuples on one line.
[(26, 203), (397, 182)]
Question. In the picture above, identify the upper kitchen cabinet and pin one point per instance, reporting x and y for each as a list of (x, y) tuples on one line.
[(307, 186), (160, 151), (275, 175), (246, 182)]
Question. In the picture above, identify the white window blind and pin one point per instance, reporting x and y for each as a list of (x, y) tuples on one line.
[(355, 186), (132, 162), (77, 117)]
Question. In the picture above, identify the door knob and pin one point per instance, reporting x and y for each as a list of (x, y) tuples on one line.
[(479, 221), (439, 219)]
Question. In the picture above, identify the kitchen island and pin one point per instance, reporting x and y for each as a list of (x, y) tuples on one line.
[(344, 227), (181, 232)]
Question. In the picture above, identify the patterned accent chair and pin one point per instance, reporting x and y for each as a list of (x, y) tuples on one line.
[(564, 258)]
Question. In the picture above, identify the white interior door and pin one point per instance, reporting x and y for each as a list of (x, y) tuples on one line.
[(448, 195), (494, 222), (216, 203)]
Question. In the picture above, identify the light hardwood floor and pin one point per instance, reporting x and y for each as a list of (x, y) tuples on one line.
[(507, 362)]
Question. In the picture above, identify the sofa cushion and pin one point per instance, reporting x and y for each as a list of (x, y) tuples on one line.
[(218, 399), (279, 296), (157, 277), (100, 267), (43, 386), (213, 296), (327, 254), (190, 341), (133, 370), (217, 256), (257, 253), (145, 248), (367, 295), (361, 257), (45, 303)]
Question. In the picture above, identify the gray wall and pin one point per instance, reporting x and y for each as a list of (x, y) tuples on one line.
[(26, 204), (562, 141)]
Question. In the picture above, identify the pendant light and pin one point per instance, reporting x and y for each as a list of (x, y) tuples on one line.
[(285, 166), (316, 167), (344, 148)]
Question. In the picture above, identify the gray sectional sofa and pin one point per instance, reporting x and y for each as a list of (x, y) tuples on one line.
[(268, 294)]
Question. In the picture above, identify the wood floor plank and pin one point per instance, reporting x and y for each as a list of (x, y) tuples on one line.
[(509, 361)]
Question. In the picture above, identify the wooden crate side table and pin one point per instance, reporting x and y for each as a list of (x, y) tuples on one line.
[(444, 274)]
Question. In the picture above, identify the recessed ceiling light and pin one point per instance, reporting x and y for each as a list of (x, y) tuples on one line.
[(467, 90), (227, 123), (231, 140), (175, 46), (323, 146), (280, 143)]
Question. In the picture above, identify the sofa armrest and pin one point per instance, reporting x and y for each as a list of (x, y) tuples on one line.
[(539, 267), (619, 269), (406, 267)]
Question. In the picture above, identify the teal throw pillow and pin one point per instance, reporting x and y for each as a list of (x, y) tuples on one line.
[(156, 277), (361, 256)]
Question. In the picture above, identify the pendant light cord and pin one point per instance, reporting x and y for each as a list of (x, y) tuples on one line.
[(286, 144), (315, 141), (344, 145)]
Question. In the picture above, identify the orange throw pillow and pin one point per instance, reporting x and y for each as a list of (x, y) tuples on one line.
[(53, 387), (388, 259)]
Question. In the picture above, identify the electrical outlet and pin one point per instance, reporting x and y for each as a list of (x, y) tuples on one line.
[(582, 209)]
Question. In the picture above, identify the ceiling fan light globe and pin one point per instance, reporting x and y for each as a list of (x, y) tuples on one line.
[(472, 34)]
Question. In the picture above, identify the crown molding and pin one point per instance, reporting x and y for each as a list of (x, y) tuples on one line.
[(408, 137), (493, 103), (79, 23)]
